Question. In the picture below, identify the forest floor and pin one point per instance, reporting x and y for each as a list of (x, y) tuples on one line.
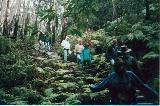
[(68, 83)]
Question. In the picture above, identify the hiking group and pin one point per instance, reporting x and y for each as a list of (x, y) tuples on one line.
[(123, 78), (82, 52)]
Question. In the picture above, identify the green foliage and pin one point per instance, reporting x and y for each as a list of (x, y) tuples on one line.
[(5, 98), (72, 100), (117, 28), (150, 55), (137, 35), (46, 14), (32, 97), (4, 45), (38, 85), (48, 92), (74, 32)]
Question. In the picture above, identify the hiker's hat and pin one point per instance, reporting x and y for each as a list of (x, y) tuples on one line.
[(114, 41), (124, 49)]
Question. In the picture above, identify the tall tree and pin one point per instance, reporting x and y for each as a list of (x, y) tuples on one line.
[(5, 25), (147, 3), (114, 10)]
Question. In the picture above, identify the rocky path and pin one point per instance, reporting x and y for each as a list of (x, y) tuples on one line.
[(67, 83)]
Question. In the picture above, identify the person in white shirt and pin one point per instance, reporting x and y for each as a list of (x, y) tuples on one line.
[(66, 46), (78, 50)]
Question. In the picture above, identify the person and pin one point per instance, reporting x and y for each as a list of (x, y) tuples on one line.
[(111, 53), (131, 62), (41, 40), (86, 55), (78, 50), (47, 42), (99, 48), (122, 85), (66, 46)]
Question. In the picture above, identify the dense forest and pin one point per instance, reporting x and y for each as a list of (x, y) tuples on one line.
[(29, 75)]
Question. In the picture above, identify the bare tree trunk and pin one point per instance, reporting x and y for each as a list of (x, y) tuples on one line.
[(114, 10), (5, 25), (15, 27), (158, 16), (147, 2)]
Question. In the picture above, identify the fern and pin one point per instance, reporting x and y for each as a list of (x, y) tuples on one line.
[(150, 55)]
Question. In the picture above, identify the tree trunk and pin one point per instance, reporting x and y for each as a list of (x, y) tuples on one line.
[(15, 28), (114, 10), (158, 16), (147, 10), (5, 25)]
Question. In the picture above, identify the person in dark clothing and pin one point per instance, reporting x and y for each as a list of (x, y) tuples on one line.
[(99, 49), (130, 61), (47, 42), (111, 53), (41, 40), (122, 85)]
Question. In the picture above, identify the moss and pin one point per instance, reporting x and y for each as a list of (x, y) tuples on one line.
[(58, 98)]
